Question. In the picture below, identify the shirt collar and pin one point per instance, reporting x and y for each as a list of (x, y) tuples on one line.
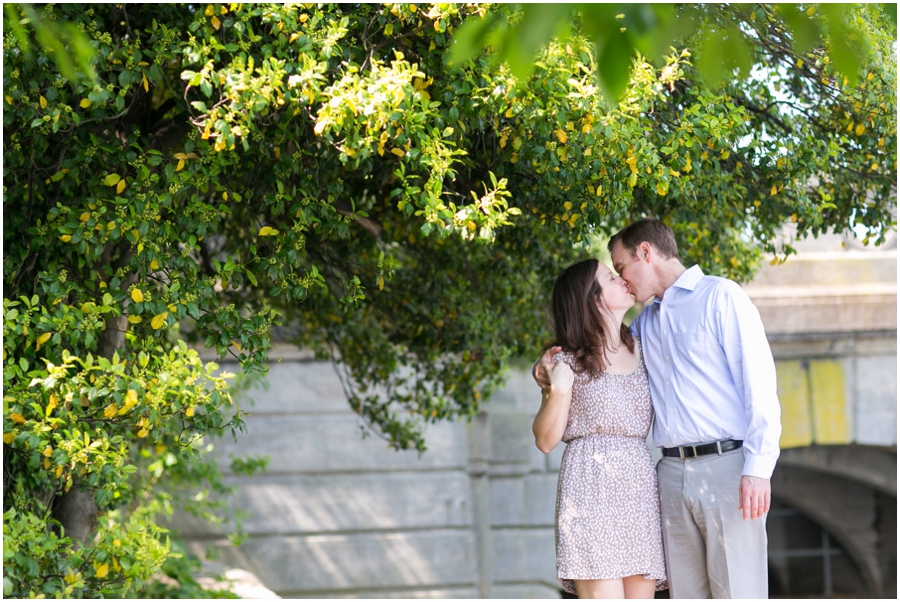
[(689, 278)]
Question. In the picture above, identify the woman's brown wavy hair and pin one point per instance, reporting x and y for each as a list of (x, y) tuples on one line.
[(578, 309)]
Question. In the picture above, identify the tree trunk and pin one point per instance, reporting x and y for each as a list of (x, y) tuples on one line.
[(76, 510)]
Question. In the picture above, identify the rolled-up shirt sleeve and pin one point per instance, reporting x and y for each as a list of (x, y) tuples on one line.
[(743, 339)]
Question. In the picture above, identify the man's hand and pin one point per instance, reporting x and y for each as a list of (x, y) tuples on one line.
[(542, 369), (756, 497)]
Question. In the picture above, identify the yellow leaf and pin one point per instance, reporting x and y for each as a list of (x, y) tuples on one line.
[(102, 571), (225, 196), (216, 23), (84, 216), (143, 432), (236, 344), (180, 165), (137, 296), (320, 127), (793, 217), (860, 129), (632, 179), (16, 417), (293, 37), (725, 154), (135, 319), (398, 151), (59, 471), (43, 339), (85, 103), (110, 410), (599, 190), (503, 141), (145, 82), (189, 412), (159, 320), (774, 261), (567, 205), (154, 265), (774, 190), (46, 464), (632, 164), (121, 186), (662, 188), (267, 231), (810, 11), (131, 398), (561, 136), (65, 238), (43, 102), (381, 283), (51, 403), (180, 156), (9, 99), (8, 438), (799, 63), (210, 10)]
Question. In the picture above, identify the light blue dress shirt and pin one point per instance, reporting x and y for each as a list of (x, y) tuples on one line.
[(712, 375)]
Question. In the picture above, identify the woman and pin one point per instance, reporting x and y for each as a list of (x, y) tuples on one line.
[(608, 538)]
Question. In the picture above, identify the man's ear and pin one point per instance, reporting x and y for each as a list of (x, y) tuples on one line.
[(645, 251)]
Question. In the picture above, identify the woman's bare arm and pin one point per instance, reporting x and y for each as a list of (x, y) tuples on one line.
[(550, 423)]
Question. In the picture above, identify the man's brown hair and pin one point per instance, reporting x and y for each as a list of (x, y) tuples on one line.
[(648, 230)]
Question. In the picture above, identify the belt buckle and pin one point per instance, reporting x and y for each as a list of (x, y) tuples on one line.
[(681, 451)]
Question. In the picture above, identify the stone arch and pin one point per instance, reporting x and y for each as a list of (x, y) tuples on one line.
[(846, 509)]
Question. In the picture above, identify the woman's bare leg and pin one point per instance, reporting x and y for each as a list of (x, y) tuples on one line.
[(637, 586), (600, 588)]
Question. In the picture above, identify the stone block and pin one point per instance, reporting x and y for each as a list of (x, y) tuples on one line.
[(292, 387), (554, 458), (876, 400), (326, 443), (526, 591), (527, 501), (524, 555), (317, 564), (518, 393), (303, 504), (511, 438), (458, 593)]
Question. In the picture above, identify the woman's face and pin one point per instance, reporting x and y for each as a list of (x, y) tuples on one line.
[(615, 291)]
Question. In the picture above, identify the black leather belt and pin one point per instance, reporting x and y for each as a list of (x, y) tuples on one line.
[(692, 451)]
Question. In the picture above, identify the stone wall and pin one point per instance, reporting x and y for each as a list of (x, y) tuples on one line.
[(336, 515)]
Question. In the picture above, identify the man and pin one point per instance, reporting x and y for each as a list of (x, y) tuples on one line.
[(717, 416)]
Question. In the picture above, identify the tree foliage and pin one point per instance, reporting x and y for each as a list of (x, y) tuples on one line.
[(321, 168)]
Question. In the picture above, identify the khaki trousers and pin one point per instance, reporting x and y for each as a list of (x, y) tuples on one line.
[(711, 551)]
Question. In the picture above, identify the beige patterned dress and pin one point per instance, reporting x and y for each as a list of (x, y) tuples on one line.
[(607, 504)]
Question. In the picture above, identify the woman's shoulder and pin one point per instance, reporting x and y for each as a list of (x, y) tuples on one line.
[(564, 356)]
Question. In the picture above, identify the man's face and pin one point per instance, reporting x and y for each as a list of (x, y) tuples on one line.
[(633, 271)]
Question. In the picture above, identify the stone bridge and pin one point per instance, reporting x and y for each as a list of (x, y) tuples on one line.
[(340, 516)]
